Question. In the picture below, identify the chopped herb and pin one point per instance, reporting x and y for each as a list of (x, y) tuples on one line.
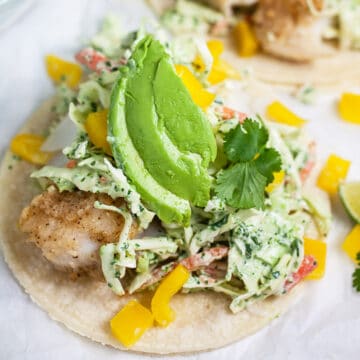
[(248, 251), (124, 246), (242, 184), (220, 222), (356, 275), (295, 246), (275, 274), (93, 106)]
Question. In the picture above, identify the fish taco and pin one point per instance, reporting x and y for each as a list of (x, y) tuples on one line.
[(281, 41), (141, 212)]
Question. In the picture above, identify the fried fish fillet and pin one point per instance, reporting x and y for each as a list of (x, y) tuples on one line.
[(69, 230), (288, 29)]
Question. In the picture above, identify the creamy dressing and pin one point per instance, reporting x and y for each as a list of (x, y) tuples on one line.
[(265, 246)]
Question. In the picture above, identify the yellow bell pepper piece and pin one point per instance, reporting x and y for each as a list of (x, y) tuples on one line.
[(130, 323), (200, 96), (220, 69), (216, 48), (351, 245), (61, 70), (278, 180), (168, 287), (27, 146), (349, 107), (276, 111), (317, 249), (245, 39), (334, 171), (96, 127)]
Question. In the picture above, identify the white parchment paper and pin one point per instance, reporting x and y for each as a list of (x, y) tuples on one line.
[(325, 324)]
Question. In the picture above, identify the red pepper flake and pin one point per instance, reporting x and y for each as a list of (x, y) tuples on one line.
[(71, 164), (307, 266), (227, 113)]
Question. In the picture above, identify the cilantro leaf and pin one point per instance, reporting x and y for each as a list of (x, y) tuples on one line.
[(245, 141), (267, 163), (356, 275), (241, 186), (356, 279)]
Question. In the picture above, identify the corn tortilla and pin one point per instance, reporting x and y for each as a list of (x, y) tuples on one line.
[(203, 320)]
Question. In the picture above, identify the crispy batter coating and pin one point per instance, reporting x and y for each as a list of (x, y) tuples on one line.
[(69, 230), (287, 29)]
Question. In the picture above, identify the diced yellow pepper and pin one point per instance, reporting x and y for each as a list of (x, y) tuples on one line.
[(278, 180), (168, 287), (27, 146), (216, 48), (278, 112), (334, 171), (130, 323), (351, 245), (316, 248), (245, 39), (349, 107), (96, 127), (220, 69), (200, 96), (199, 64), (61, 70)]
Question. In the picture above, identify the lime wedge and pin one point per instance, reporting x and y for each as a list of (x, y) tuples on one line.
[(350, 197)]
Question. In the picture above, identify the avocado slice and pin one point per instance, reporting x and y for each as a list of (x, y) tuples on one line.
[(152, 112), (162, 120), (185, 123), (169, 207)]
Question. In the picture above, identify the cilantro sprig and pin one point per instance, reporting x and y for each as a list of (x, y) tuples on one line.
[(252, 164), (356, 275)]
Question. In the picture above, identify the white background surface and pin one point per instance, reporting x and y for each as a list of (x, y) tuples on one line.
[(326, 322)]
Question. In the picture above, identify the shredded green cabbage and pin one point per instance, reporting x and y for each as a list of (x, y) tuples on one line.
[(264, 247)]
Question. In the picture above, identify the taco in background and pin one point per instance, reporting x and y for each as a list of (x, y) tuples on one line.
[(141, 144), (301, 41)]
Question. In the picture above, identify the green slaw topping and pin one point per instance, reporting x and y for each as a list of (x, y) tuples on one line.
[(244, 242)]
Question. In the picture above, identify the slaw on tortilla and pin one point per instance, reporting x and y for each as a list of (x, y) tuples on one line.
[(302, 41)]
